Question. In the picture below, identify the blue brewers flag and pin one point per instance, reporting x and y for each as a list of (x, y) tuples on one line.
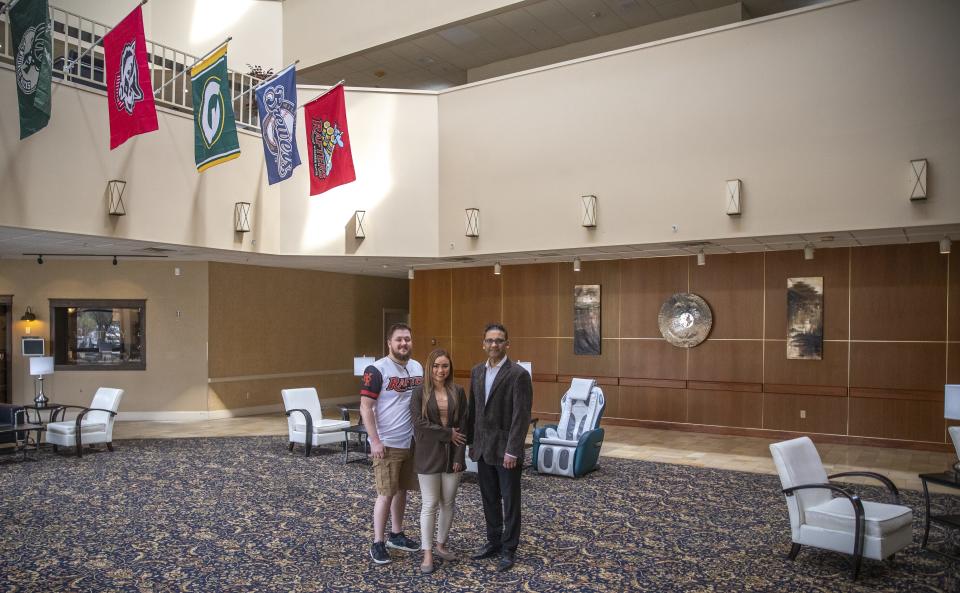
[(277, 106)]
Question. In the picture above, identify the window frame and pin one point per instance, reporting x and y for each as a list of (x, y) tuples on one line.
[(141, 304)]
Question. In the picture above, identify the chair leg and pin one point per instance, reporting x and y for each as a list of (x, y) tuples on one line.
[(56, 448), (291, 446), (79, 444), (110, 446), (794, 550), (307, 444), (856, 565)]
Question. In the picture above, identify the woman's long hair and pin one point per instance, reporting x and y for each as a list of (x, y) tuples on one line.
[(428, 383)]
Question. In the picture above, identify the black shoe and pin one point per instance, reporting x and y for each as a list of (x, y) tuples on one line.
[(379, 553), (506, 562), (487, 551), (400, 541)]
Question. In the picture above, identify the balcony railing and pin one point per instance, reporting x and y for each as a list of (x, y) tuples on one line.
[(73, 36)]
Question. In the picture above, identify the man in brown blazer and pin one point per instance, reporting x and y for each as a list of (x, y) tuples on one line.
[(500, 405)]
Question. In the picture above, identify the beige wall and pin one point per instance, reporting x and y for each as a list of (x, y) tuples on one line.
[(698, 21), (196, 26), (318, 31), (819, 113), (175, 377), (276, 328), (395, 155)]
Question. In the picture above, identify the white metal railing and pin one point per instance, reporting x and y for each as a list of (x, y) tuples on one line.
[(78, 57)]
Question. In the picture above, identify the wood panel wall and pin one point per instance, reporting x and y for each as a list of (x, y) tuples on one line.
[(891, 340)]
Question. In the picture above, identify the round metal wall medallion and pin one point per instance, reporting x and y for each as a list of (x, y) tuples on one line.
[(685, 320)]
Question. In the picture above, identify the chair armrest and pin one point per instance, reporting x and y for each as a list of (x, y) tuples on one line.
[(541, 431), (853, 498), (886, 481), (62, 410), (308, 417)]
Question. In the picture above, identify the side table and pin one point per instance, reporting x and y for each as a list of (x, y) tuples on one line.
[(361, 432), (948, 479)]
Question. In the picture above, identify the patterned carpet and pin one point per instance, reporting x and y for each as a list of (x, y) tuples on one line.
[(244, 514)]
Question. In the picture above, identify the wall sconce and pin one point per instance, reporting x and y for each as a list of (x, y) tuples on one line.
[(576, 264), (588, 211), (241, 217), (115, 189), (28, 315), (733, 197), (701, 258), (918, 179), (808, 252), (358, 231), (473, 222), (496, 269), (944, 247)]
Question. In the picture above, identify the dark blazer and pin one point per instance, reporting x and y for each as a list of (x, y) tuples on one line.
[(500, 419), (433, 452)]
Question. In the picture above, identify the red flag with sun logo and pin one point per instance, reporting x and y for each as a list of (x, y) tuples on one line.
[(129, 88), (331, 160)]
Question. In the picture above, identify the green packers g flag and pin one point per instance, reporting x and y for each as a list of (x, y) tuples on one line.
[(30, 22), (214, 127)]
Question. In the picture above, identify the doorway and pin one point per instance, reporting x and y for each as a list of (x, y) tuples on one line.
[(6, 345)]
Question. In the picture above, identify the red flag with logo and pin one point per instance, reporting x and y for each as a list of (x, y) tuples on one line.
[(129, 87), (331, 160)]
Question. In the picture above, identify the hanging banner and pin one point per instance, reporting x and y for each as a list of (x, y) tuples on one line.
[(30, 22), (215, 129), (277, 106), (331, 161), (129, 88)]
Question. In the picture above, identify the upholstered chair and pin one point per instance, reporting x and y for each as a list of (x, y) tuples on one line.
[(304, 418), (572, 447), (842, 523), (92, 425), (955, 437)]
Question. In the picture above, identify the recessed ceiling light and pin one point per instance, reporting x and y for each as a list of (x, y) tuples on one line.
[(379, 73), (826, 238), (596, 14), (425, 60)]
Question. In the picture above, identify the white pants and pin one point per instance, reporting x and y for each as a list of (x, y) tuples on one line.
[(437, 490)]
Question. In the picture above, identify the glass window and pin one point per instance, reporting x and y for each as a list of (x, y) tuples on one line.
[(98, 335)]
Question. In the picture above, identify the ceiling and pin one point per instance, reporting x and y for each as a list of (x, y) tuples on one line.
[(22, 244), (439, 58)]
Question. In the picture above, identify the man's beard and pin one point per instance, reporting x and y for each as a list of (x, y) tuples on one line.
[(400, 357)]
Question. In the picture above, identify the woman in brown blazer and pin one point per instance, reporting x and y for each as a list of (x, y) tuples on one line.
[(439, 412)]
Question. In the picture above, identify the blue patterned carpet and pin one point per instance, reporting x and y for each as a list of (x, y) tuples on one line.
[(244, 514)]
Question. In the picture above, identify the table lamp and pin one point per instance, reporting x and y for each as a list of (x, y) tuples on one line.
[(951, 411), (40, 366)]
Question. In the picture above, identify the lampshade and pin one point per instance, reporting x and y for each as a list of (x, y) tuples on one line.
[(41, 365), (360, 364), (951, 402)]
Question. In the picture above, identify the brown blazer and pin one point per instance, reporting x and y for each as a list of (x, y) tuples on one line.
[(499, 420), (433, 452)]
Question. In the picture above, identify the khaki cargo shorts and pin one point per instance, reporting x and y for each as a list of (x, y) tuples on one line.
[(395, 472)]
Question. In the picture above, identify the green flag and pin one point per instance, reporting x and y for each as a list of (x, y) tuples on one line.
[(30, 21), (214, 127)]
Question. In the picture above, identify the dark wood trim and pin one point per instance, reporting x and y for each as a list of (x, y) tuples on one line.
[(600, 380), (141, 304), (670, 383), (831, 390), (458, 374), (544, 378), (907, 394), (7, 300), (726, 386)]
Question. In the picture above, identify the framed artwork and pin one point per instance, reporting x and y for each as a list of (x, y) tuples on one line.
[(805, 318), (586, 319)]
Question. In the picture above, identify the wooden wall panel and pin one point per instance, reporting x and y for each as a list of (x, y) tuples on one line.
[(899, 293), (652, 359), (732, 285), (612, 396), (476, 300), (909, 420), (607, 275), (653, 403), (644, 285), (725, 408), (954, 305), (832, 370), (739, 361), (833, 265), (953, 363), (423, 346), (530, 297), (546, 397), (542, 352), (605, 365), (903, 365), (824, 414), (430, 304)]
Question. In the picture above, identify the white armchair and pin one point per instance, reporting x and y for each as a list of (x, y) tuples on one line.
[(91, 426), (843, 523), (304, 418)]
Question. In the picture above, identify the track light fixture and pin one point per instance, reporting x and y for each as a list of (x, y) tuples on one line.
[(114, 260), (576, 264), (40, 259), (945, 245), (701, 258), (808, 252), (496, 268)]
